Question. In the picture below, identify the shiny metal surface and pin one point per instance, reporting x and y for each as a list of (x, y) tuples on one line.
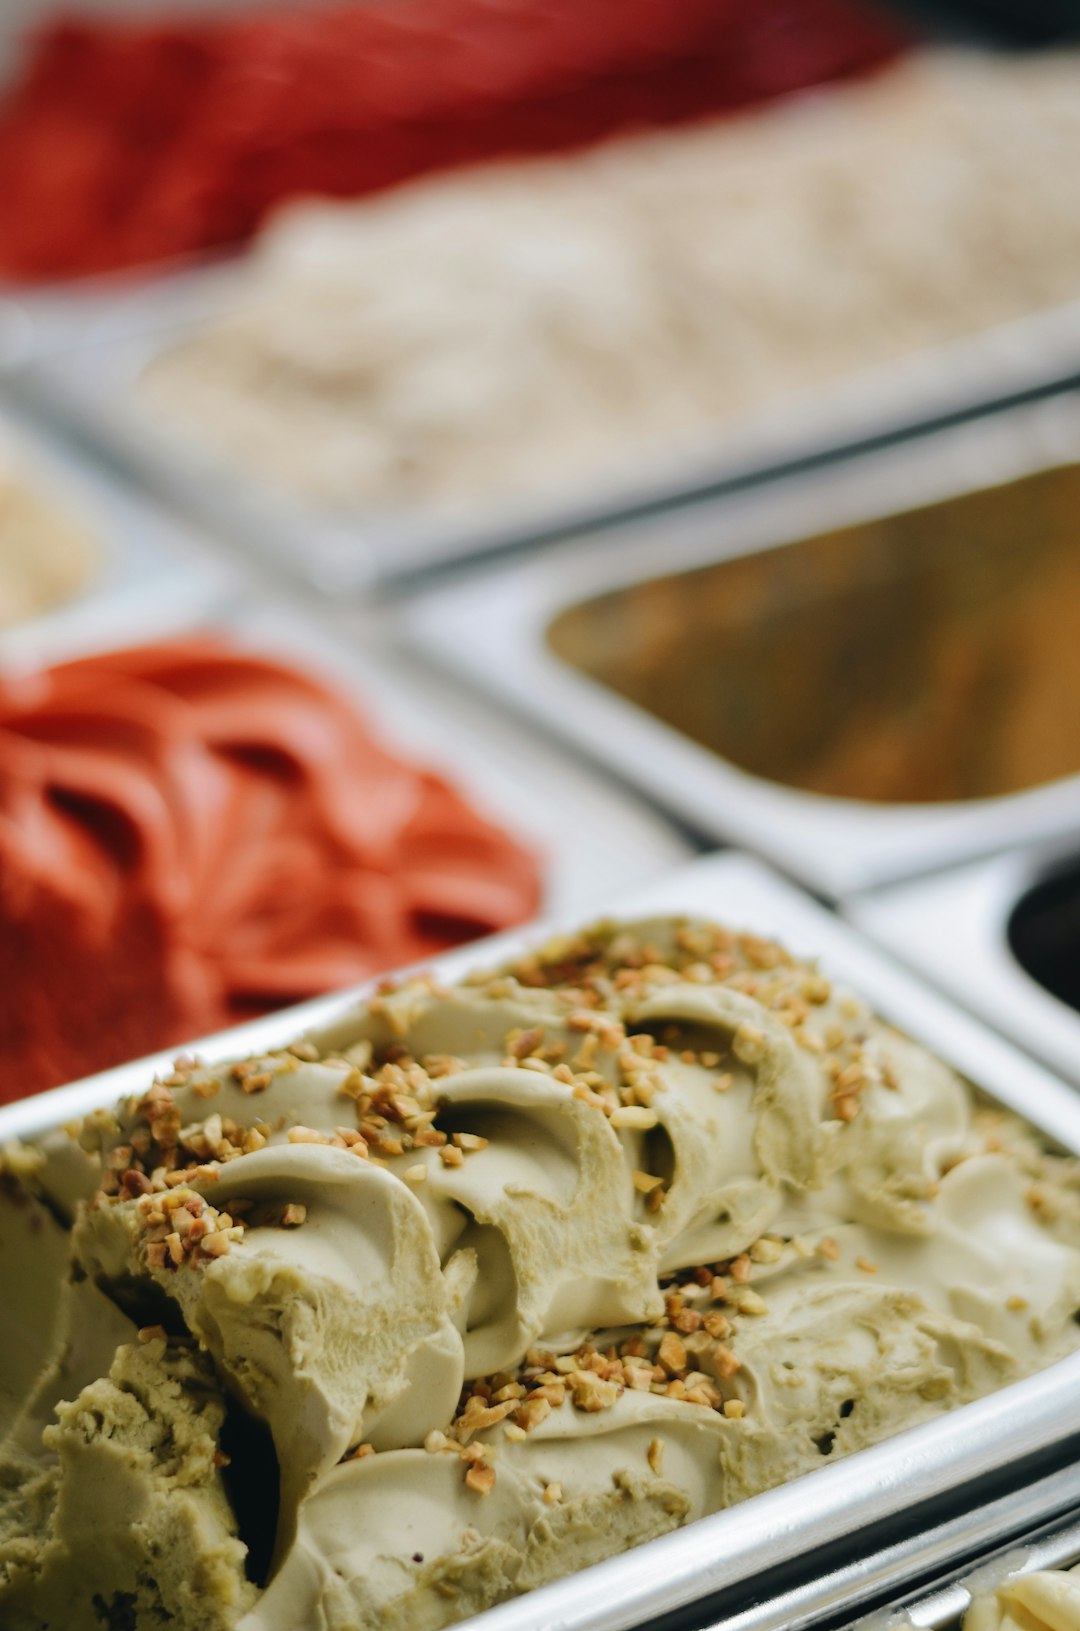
[(491, 626), (79, 349), (1034, 1526), (890, 1483), (952, 929), (1053, 1544)]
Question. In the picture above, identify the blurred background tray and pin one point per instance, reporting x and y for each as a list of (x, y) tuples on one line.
[(78, 357), (902, 634)]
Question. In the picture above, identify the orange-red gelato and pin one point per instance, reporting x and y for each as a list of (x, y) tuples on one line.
[(190, 835)]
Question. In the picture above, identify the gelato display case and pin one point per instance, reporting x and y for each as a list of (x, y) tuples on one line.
[(463, 465), (859, 673)]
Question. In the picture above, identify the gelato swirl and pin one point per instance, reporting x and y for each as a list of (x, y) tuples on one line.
[(190, 835), (520, 1273)]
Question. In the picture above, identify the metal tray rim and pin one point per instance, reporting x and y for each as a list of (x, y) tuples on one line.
[(837, 846), (952, 929)]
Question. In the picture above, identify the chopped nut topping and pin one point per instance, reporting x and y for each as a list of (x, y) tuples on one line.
[(672, 1354), (481, 1477), (646, 1182)]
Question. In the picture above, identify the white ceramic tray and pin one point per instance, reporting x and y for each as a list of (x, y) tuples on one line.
[(491, 626), (752, 1545)]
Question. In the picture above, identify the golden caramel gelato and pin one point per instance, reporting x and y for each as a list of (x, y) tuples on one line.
[(483, 1284)]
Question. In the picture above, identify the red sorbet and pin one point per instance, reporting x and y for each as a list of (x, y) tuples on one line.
[(190, 835), (129, 142)]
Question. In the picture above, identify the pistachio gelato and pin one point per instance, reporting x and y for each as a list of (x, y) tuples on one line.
[(481, 1285)]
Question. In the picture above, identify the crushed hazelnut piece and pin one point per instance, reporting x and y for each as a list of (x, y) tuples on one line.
[(481, 1477), (672, 1353)]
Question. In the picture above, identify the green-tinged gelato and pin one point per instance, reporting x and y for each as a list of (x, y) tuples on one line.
[(511, 1276)]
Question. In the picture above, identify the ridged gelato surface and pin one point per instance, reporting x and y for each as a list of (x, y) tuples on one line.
[(192, 833), (507, 1277)]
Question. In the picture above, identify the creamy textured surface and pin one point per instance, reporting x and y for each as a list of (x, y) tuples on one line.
[(46, 555), (1045, 1600), (530, 327), (518, 1274), (192, 833)]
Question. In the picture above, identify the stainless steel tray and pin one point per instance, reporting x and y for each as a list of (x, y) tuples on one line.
[(154, 575), (897, 1483), (920, 1581), (942, 1605), (953, 929), (78, 351), (491, 626)]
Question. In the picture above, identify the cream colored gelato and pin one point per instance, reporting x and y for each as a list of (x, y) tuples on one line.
[(527, 328), (1045, 1600), (46, 555), (515, 1275)]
